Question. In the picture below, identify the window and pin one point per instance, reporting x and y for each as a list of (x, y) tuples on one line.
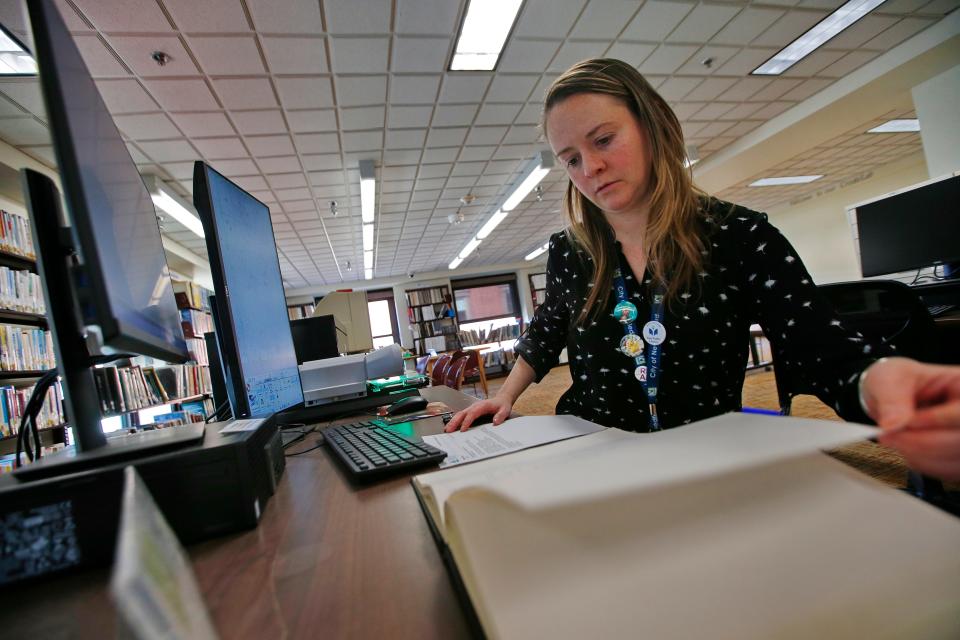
[(383, 318)]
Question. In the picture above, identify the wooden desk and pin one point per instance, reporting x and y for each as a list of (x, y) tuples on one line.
[(329, 560)]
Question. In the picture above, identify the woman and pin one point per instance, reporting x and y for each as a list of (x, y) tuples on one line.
[(653, 287)]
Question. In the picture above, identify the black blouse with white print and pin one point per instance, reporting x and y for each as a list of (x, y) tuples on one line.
[(752, 275)]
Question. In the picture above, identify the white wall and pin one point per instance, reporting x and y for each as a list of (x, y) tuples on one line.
[(818, 227), (937, 102)]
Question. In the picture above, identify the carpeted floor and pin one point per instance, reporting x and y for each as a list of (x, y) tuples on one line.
[(759, 391)]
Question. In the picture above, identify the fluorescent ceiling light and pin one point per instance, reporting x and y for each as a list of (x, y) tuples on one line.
[(368, 259), (775, 182), (14, 59), (484, 32), (368, 274), (368, 190), (173, 205), (456, 262), (492, 223), (693, 156), (470, 248), (817, 36), (897, 126), (368, 237), (533, 255)]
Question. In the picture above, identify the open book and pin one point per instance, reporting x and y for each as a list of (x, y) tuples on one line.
[(734, 527)]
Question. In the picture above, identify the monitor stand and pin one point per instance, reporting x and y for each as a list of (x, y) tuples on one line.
[(119, 448)]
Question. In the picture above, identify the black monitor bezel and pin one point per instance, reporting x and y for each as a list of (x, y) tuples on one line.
[(114, 333), (313, 321)]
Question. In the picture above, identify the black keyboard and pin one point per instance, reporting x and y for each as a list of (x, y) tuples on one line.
[(940, 309), (367, 450)]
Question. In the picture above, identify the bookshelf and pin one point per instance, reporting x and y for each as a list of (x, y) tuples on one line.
[(433, 320), (538, 289), (495, 345), (298, 311), (193, 301)]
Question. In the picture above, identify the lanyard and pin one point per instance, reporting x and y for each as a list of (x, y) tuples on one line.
[(647, 369)]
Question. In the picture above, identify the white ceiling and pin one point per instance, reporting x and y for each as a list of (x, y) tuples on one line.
[(286, 97)]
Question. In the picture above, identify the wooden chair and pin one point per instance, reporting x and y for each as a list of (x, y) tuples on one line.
[(440, 369), (454, 374), (475, 367)]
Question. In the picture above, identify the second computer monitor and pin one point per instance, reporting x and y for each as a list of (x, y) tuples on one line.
[(315, 338), (259, 361)]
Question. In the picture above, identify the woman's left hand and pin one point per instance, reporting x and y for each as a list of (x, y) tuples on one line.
[(917, 406)]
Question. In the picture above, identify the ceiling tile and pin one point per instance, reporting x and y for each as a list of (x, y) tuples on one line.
[(717, 56), (355, 91), (346, 16), (152, 126), (511, 88), (201, 125), (124, 96), (232, 168), (264, 146), (454, 115), (207, 17), (420, 54), (362, 118), (667, 58), (603, 19), (703, 22), (445, 154), (124, 15), (898, 33), (418, 89), (291, 55), (476, 153), (245, 93), (464, 88), (631, 52), (259, 122), (232, 56), (746, 61), (548, 18), (290, 16), (312, 120), (788, 28), (136, 52), (100, 61), (305, 93), (220, 148), (320, 162), (497, 113), (279, 164), (359, 55), (406, 117), (427, 17), (572, 52), (169, 150), (288, 180), (182, 95), (317, 142), (656, 20), (486, 135), (21, 131), (251, 183), (362, 140), (527, 55)]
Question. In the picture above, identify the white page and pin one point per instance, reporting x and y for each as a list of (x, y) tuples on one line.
[(488, 441), (647, 460)]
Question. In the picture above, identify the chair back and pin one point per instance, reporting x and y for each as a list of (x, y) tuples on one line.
[(422, 362), (454, 375), (440, 369), (885, 312)]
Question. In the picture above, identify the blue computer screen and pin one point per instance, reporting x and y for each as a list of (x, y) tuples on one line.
[(253, 291)]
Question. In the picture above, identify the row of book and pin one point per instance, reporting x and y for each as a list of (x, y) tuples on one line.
[(301, 311), (197, 348), (539, 280), (15, 235), (437, 343), (13, 400), (25, 349), (21, 290), (470, 337), (426, 296), (134, 387), (195, 323), (189, 294), (501, 357), (433, 327)]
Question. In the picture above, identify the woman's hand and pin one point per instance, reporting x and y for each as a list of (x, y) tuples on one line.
[(497, 405), (917, 406)]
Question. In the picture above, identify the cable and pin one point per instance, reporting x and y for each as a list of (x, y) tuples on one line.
[(29, 419)]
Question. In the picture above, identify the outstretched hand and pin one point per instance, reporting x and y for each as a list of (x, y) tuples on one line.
[(917, 406), (462, 420)]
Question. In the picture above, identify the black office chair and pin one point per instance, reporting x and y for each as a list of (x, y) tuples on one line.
[(885, 312)]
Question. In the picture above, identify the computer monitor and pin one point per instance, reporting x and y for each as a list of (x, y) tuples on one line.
[(259, 361), (911, 229), (117, 295), (314, 338)]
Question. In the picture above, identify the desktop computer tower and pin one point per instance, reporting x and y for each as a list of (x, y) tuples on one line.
[(205, 490)]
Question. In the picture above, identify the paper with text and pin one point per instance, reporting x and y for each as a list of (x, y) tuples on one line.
[(487, 441)]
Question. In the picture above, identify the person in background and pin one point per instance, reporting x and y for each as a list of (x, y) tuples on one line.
[(653, 286)]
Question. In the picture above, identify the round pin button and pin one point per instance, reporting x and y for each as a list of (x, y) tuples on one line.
[(654, 332), (625, 312), (631, 345), (640, 373)]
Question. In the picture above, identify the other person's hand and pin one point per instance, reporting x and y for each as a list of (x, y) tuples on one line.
[(498, 406), (917, 406)]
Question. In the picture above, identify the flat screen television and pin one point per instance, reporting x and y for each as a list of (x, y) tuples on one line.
[(912, 229)]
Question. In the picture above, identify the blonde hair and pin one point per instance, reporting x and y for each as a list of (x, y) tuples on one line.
[(675, 249)]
